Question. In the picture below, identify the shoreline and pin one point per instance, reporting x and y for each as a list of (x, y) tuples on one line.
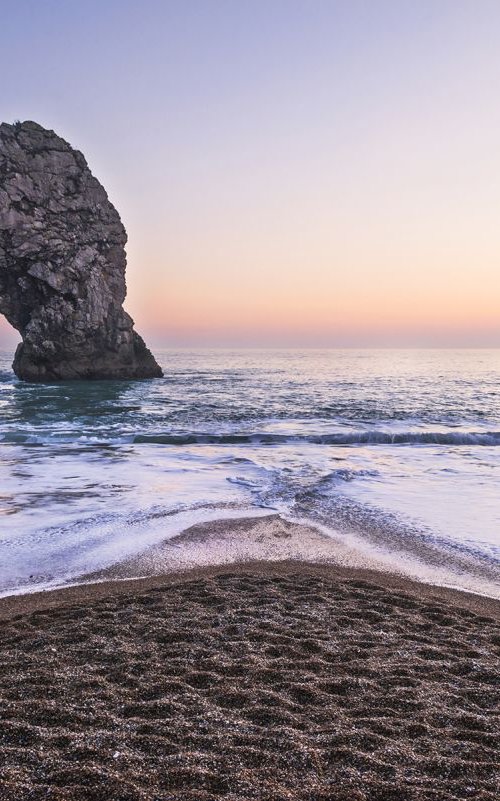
[(89, 592), (236, 542)]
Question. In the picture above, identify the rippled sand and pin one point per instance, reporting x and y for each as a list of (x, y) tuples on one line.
[(259, 681)]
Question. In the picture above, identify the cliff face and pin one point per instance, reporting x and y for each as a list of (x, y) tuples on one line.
[(62, 264)]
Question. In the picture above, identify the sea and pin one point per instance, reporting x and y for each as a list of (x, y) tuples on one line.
[(396, 452)]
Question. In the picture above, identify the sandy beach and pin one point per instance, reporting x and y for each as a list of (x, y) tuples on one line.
[(252, 680)]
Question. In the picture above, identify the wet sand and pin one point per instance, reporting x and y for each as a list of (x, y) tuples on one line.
[(253, 680), (273, 538)]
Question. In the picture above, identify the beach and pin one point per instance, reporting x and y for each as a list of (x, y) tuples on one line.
[(267, 576), (271, 679)]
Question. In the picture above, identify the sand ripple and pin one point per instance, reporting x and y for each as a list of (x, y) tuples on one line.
[(251, 684)]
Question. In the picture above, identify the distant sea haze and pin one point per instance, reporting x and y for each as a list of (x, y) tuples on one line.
[(397, 452)]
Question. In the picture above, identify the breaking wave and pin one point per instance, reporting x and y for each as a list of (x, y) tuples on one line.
[(372, 437)]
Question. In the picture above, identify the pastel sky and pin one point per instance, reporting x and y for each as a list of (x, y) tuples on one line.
[(290, 172)]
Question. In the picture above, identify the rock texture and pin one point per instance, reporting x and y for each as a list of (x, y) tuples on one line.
[(62, 264)]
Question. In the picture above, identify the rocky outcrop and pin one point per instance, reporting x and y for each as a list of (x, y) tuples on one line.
[(62, 264)]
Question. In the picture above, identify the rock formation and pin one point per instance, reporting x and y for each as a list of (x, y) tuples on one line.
[(62, 264)]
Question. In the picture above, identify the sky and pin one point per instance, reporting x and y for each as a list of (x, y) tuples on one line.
[(290, 172)]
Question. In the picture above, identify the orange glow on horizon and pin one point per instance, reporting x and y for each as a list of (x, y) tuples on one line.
[(323, 306)]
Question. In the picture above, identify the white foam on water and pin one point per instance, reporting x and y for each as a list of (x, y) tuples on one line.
[(397, 451)]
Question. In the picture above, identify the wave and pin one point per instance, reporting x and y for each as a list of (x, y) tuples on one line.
[(372, 437)]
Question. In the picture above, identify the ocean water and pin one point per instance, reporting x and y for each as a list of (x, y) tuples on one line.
[(397, 452)]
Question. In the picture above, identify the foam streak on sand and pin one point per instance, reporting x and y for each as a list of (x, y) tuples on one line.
[(257, 681)]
